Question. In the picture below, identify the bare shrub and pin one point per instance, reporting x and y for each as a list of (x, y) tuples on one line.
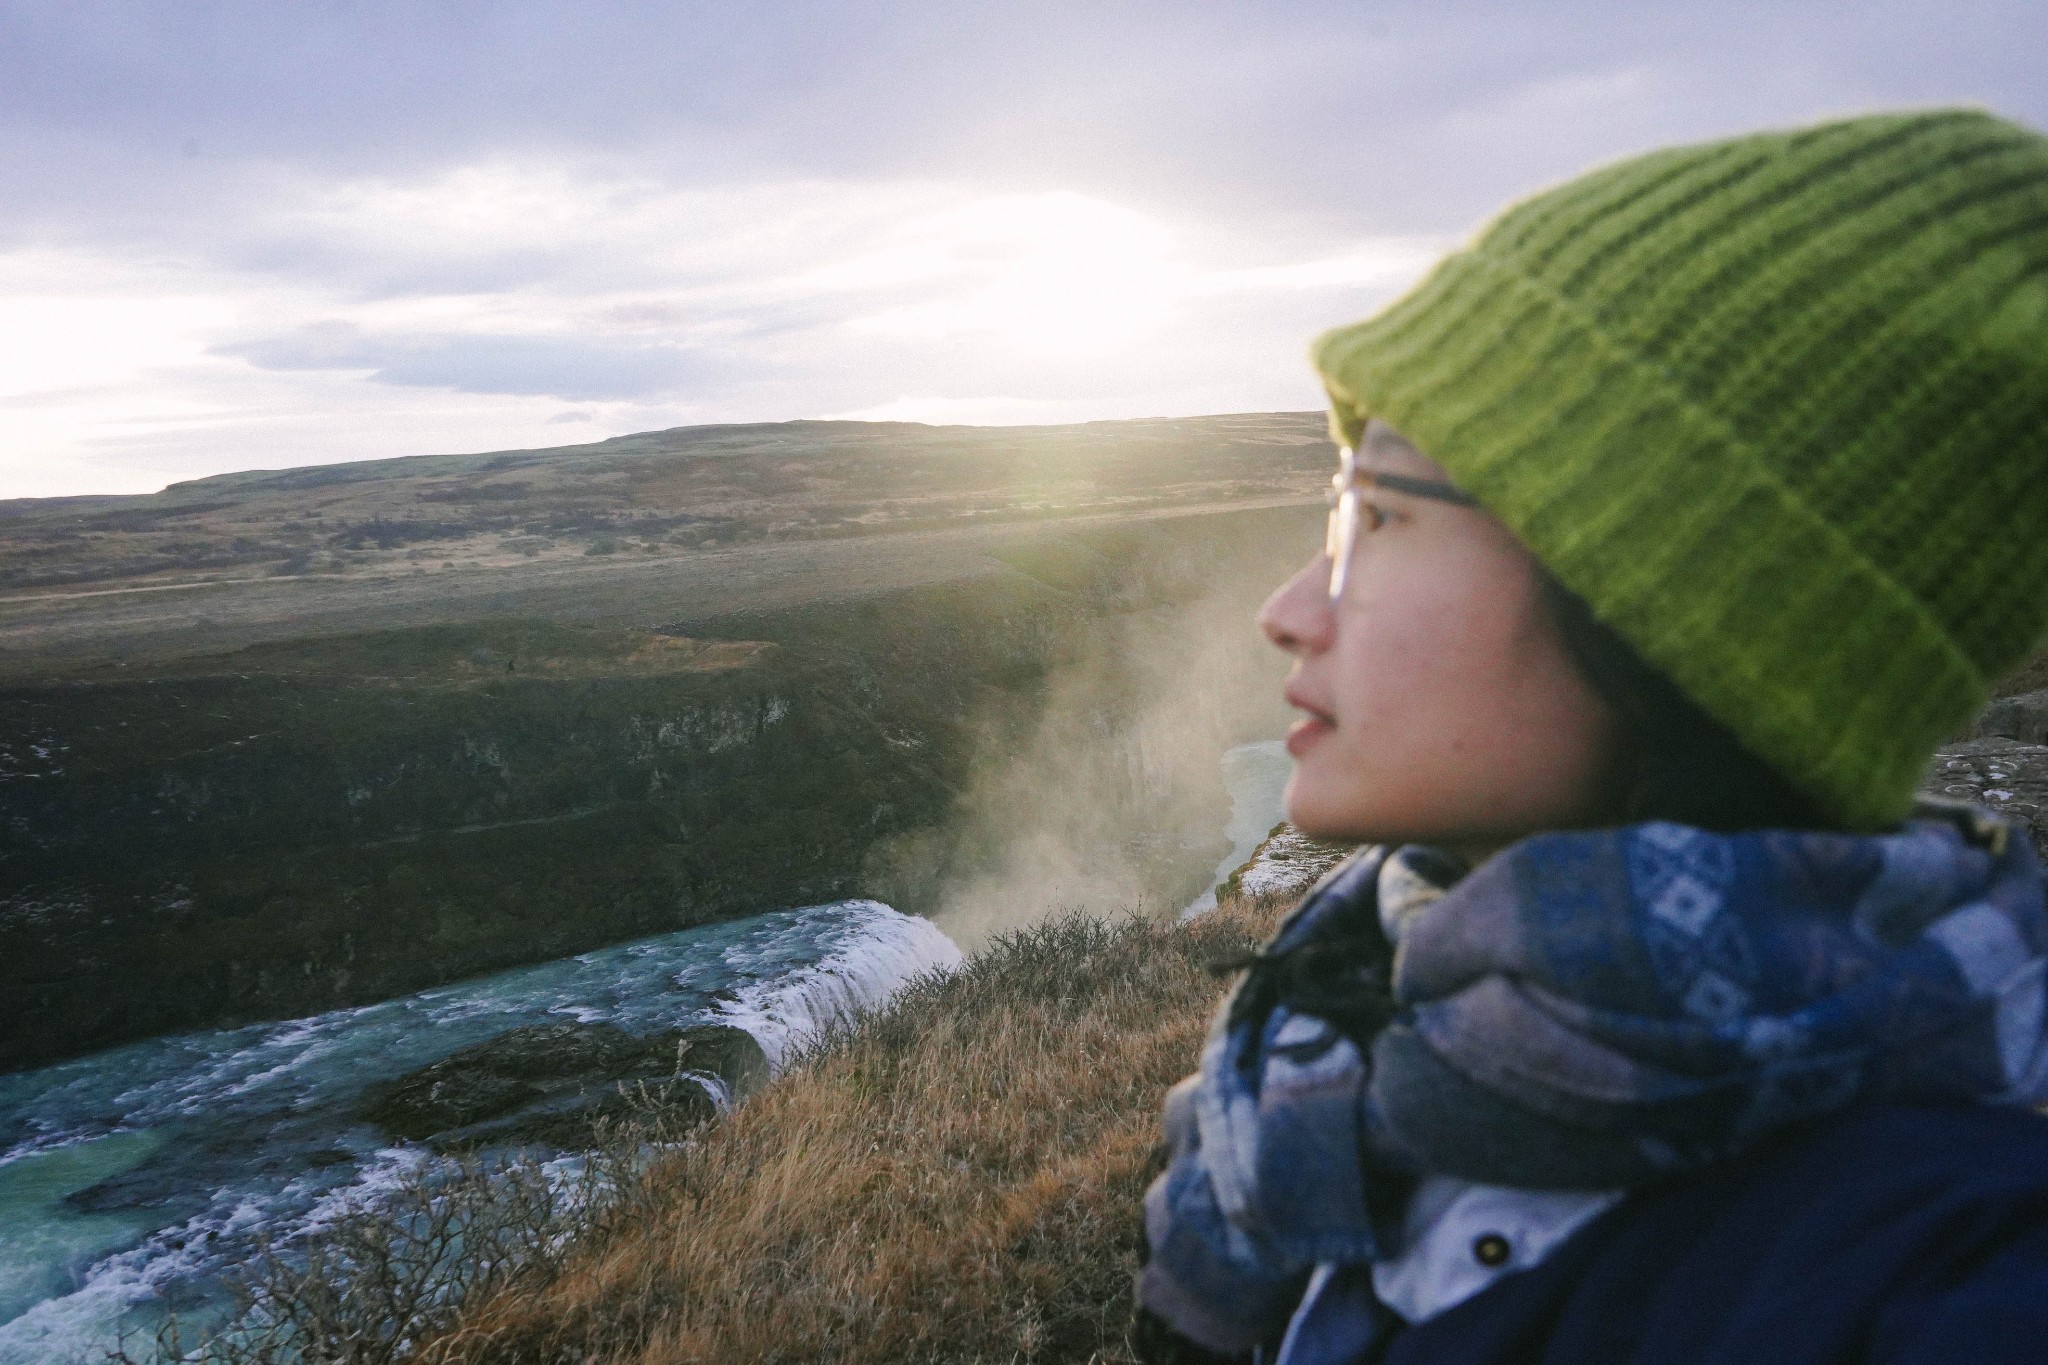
[(387, 1271)]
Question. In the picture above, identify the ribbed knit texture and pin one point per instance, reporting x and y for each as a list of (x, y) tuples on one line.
[(1777, 407)]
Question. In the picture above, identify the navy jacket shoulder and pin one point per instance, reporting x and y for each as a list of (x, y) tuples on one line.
[(1894, 1234)]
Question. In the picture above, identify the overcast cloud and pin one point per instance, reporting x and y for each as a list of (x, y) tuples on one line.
[(257, 235)]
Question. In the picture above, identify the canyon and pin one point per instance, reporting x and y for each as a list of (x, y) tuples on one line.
[(278, 743)]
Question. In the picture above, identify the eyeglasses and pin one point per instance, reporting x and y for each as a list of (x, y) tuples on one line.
[(1346, 508)]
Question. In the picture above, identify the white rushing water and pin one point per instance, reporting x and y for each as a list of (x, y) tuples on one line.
[(131, 1179), (1256, 776)]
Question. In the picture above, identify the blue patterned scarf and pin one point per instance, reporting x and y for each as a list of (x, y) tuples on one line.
[(1585, 1010)]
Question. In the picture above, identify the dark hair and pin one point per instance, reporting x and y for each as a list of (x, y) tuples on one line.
[(1678, 763)]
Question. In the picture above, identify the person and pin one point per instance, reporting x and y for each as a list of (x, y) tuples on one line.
[(1680, 517)]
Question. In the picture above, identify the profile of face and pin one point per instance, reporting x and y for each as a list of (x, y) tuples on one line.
[(1440, 704)]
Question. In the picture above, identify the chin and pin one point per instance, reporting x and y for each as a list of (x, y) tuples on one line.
[(1351, 817), (1320, 817)]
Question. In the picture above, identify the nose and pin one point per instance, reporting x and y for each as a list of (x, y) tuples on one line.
[(1298, 617)]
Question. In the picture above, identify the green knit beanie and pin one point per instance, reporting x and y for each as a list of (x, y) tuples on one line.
[(1777, 407)]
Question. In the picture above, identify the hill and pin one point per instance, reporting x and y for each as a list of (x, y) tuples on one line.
[(638, 530)]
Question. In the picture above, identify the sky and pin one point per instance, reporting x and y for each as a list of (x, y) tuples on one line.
[(261, 234)]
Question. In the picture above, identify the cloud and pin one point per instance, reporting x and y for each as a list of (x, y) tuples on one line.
[(241, 233), (751, 302), (988, 410), (573, 368)]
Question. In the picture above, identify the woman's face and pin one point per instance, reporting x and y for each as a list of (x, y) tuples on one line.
[(1440, 705)]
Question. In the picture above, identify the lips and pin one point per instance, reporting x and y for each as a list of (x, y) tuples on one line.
[(1304, 734)]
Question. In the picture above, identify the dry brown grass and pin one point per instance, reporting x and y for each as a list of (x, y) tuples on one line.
[(957, 1179)]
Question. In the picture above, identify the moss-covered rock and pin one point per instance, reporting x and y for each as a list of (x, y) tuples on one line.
[(552, 1082), (1286, 862)]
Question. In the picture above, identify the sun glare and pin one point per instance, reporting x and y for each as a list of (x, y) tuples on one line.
[(914, 299), (51, 340), (1057, 274)]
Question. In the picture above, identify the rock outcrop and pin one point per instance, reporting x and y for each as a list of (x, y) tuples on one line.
[(2024, 717), (1287, 862), (2007, 775), (552, 1083), (2004, 768), (2003, 765)]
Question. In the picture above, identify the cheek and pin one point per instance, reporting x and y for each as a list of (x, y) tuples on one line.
[(1456, 705), (1423, 645)]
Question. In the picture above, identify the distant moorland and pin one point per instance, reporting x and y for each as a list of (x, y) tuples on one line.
[(643, 529)]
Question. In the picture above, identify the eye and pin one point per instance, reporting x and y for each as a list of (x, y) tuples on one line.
[(1370, 517)]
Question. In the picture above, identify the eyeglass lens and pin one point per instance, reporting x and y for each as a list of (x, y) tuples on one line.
[(1341, 537)]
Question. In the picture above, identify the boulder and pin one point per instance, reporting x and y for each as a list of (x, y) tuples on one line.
[(2004, 774), (730, 1054), (2024, 718), (552, 1082)]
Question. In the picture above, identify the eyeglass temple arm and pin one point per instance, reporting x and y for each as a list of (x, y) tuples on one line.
[(1420, 488)]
